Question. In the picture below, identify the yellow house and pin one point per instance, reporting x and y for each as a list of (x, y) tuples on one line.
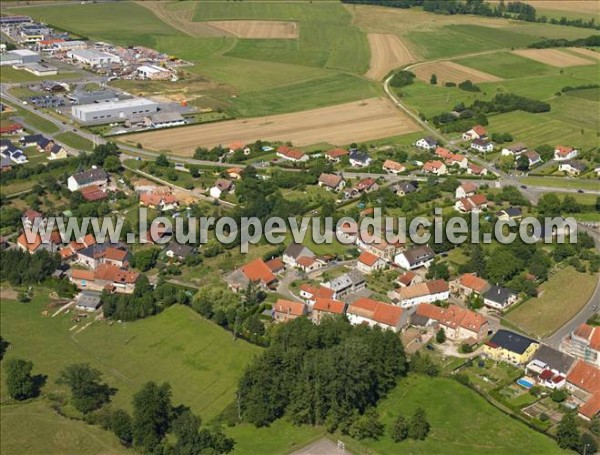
[(510, 347), (57, 153)]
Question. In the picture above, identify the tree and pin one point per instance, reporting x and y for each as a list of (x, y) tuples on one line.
[(570, 205), (152, 414), (367, 426), (595, 426), (587, 444), (162, 160), (112, 164), (3, 347), (440, 336), (549, 205), (144, 260), (558, 395), (567, 434), (399, 431), (88, 393), (19, 382), (120, 424), (433, 79), (419, 426), (523, 163)]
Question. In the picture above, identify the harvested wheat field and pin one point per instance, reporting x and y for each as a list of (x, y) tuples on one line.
[(258, 29), (553, 57), (388, 52), (577, 6), (451, 72), (339, 125), (586, 52)]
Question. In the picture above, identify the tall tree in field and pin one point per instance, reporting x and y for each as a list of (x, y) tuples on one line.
[(419, 426), (399, 430), (19, 382), (567, 434), (152, 414), (87, 390)]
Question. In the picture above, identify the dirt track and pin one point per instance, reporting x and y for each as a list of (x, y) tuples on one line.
[(451, 72), (553, 57), (258, 29), (387, 53), (339, 125)]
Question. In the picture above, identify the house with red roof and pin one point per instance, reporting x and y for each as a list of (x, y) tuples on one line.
[(324, 307), (109, 277), (465, 189), (287, 310), (583, 381), (335, 155), (469, 284), (475, 169), (256, 271), (332, 182), (368, 262), (475, 204), (562, 153), (459, 323), (452, 159), (375, 313), (477, 132), (408, 279), (12, 128), (310, 293), (583, 343), (435, 167), (367, 185), (393, 167), (288, 153), (427, 292), (159, 200)]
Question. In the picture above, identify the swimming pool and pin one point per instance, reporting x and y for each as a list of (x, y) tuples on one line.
[(525, 383)]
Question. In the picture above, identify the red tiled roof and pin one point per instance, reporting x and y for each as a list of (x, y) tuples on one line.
[(432, 165), (329, 306), (595, 340), (585, 376), (368, 259), (30, 246), (591, 407), (406, 278), (480, 130), (305, 261), (31, 215), (476, 169), (93, 193), (275, 264), (115, 254), (336, 153), (393, 165), (365, 184), (562, 150), (80, 274), (289, 307), (469, 187), (257, 270), (290, 152), (472, 281), (430, 311), (330, 180), (584, 331), (387, 314), (109, 272), (323, 292), (11, 128)]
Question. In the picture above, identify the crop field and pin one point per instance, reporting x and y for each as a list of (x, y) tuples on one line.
[(388, 52), (586, 52), (340, 125), (506, 65), (451, 72), (258, 29), (557, 302), (554, 57)]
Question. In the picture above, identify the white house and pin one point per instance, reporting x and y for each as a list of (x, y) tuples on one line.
[(514, 150), (368, 262), (393, 167), (429, 292), (533, 157), (426, 143), (95, 176), (220, 187), (572, 167), (483, 146), (332, 182), (359, 159), (477, 132), (562, 153), (419, 256), (288, 153), (465, 189), (375, 313), (435, 167), (499, 298)]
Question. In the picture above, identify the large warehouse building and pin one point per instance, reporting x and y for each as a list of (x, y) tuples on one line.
[(113, 111)]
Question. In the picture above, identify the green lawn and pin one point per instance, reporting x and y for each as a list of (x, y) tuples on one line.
[(50, 433), (506, 65), (557, 303), (11, 75), (35, 121), (75, 140), (461, 422), (560, 182), (201, 361)]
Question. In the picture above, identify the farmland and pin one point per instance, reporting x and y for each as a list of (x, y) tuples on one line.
[(506, 65), (388, 52), (341, 124), (554, 57), (451, 72), (557, 302)]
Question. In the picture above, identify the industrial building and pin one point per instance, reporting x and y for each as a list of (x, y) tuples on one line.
[(113, 111), (153, 72), (19, 57), (98, 96), (93, 57), (62, 46), (39, 69)]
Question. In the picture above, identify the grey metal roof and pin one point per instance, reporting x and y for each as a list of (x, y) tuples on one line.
[(511, 341), (498, 294), (554, 359)]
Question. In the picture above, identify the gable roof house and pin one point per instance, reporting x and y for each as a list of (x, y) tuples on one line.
[(510, 213), (367, 185), (393, 167), (346, 284), (426, 143), (499, 298), (459, 323), (413, 258), (359, 159), (533, 157), (550, 367), (221, 186), (57, 152), (583, 381), (435, 167), (475, 204), (510, 347), (287, 310), (404, 188), (514, 150), (368, 262), (408, 278), (332, 182), (583, 343), (256, 271), (288, 153), (562, 153), (159, 201), (465, 189), (95, 176), (474, 169), (106, 277), (96, 254), (11, 128), (427, 292), (477, 132), (572, 167), (179, 251), (324, 307), (452, 159), (375, 313), (14, 154), (376, 245), (294, 252), (336, 154), (310, 293), (469, 284), (482, 145)]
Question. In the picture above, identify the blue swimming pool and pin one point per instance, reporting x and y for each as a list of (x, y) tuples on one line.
[(524, 383)]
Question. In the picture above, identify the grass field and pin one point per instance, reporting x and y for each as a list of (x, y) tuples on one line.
[(447, 403), (200, 360), (506, 65), (33, 120), (51, 433), (75, 140), (557, 303), (560, 182), (10, 75)]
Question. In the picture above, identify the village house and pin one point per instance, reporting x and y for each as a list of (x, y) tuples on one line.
[(335, 155), (533, 157), (514, 150), (506, 346), (393, 167), (418, 256), (294, 252), (368, 263), (452, 159), (57, 152), (549, 367), (562, 153), (288, 153), (346, 284), (102, 253), (235, 173), (408, 279), (310, 293), (88, 301), (276, 265), (160, 201), (95, 176), (475, 204), (477, 132), (359, 159), (376, 245), (70, 251), (465, 189), (375, 313), (367, 185), (179, 251), (332, 182), (583, 381), (583, 343), (107, 277), (286, 310), (427, 143), (347, 231), (403, 188), (435, 167), (469, 284), (482, 145), (31, 217), (309, 264), (459, 324), (14, 154), (325, 307), (510, 213), (221, 187), (256, 271), (349, 193), (572, 167), (499, 298), (11, 128), (474, 169), (428, 292)]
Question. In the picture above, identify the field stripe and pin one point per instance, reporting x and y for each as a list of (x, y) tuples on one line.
[(388, 52), (553, 57)]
